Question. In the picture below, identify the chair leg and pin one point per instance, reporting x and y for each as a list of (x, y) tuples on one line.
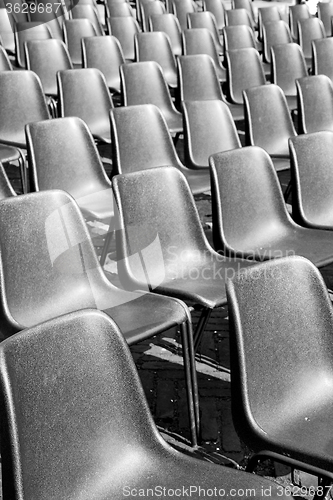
[(23, 166), (287, 192), (203, 320), (106, 246)]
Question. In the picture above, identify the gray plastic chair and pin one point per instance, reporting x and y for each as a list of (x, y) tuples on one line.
[(85, 94), (208, 129), (244, 70), (284, 360), (238, 37), (25, 31), (238, 17), (216, 7), (311, 157), (322, 57), (105, 54), (144, 83), (296, 13), (309, 30), (268, 122), (267, 15), (149, 9), (124, 28), (141, 140), (91, 400), (325, 13), (274, 33), (86, 11), (250, 218), (181, 8), (51, 19), (156, 46), (206, 20), (200, 41), (169, 24), (315, 97), (74, 31), (248, 6), (119, 9), (138, 8)]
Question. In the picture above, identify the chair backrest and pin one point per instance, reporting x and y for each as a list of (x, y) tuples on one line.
[(208, 129), (288, 64), (124, 28), (51, 19), (296, 13), (181, 8), (274, 33), (6, 188), (322, 60), (156, 46), (25, 31), (151, 8), (169, 24), (247, 202), (200, 41), (217, 9), (45, 58), (74, 31), (266, 15), (105, 54), (238, 37), (311, 160), (140, 139), (16, 110), (244, 70), (206, 20), (5, 64), (120, 9), (7, 31), (309, 30), (283, 354), (244, 4), (89, 398), (269, 123), (62, 155), (198, 79), (84, 93), (236, 17), (325, 13), (315, 103), (86, 11), (138, 7)]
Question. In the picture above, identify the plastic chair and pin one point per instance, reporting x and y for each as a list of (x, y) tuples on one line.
[(284, 360), (84, 93), (208, 129), (268, 122), (200, 41), (151, 8), (6, 31), (51, 19), (322, 57), (253, 222), (311, 158), (92, 399), (205, 20), (309, 30), (138, 8), (315, 97), (64, 276), (144, 83), (198, 81), (216, 7), (238, 17), (296, 13), (244, 70), (181, 8), (274, 33), (105, 54), (155, 46), (288, 64), (88, 12), (141, 140), (248, 6), (119, 9), (169, 24), (159, 201), (124, 28), (28, 31), (325, 13), (122, 10), (45, 58), (266, 15), (74, 31)]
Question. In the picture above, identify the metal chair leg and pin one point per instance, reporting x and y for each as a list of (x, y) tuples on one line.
[(203, 320), (23, 166)]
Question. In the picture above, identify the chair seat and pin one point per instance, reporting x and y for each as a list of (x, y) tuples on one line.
[(8, 153), (199, 181), (98, 205), (280, 162), (221, 73), (174, 121), (101, 132), (237, 111)]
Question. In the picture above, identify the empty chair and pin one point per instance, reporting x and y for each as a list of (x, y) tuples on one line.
[(51, 19), (206, 20), (151, 8), (119, 9), (28, 31), (138, 8), (45, 58), (288, 64), (105, 54), (322, 57), (141, 140), (246, 5), (86, 11), (84, 93), (238, 37), (250, 216), (315, 103), (268, 122), (200, 41), (325, 13), (208, 129), (296, 13), (181, 8), (74, 31), (155, 46), (238, 17), (217, 9), (266, 15), (93, 400), (169, 24), (124, 28), (309, 30), (311, 157), (244, 70), (198, 81), (274, 33), (286, 361), (144, 83), (6, 31)]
